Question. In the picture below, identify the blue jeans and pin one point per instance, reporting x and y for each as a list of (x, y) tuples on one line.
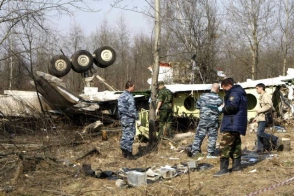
[(261, 135)]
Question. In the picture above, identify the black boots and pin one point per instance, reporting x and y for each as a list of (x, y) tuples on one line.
[(124, 152), (127, 154), (224, 164), (236, 164), (130, 156)]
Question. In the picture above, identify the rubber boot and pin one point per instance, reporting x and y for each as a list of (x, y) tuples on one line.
[(236, 164), (124, 152), (278, 145), (189, 153), (130, 155), (224, 164)]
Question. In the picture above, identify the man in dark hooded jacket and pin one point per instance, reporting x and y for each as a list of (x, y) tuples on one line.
[(233, 125)]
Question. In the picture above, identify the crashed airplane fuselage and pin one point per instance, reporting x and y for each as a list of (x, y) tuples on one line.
[(55, 98), (186, 95)]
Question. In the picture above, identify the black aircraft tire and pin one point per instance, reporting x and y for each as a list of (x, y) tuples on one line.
[(82, 61), (59, 66), (104, 56)]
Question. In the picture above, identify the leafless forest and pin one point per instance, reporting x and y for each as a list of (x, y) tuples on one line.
[(244, 38), (247, 39)]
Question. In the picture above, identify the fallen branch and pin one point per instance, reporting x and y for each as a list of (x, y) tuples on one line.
[(177, 185), (7, 162), (3, 147), (23, 146), (18, 172), (92, 151), (181, 136)]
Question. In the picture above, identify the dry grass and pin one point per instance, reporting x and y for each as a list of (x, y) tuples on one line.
[(64, 176)]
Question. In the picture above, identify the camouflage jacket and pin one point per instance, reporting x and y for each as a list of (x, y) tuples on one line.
[(166, 97), (126, 107), (208, 104)]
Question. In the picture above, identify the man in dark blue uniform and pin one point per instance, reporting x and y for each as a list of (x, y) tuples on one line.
[(233, 124)]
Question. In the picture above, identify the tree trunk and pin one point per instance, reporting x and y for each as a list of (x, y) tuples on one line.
[(152, 117), (254, 51)]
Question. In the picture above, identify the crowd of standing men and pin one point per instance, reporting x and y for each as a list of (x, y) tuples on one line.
[(232, 126)]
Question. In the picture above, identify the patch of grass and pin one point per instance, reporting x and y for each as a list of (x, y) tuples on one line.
[(289, 163)]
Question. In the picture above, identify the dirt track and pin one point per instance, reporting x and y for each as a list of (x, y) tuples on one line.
[(51, 164)]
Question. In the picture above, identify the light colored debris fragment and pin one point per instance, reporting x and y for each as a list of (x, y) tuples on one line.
[(92, 126), (181, 136), (120, 183)]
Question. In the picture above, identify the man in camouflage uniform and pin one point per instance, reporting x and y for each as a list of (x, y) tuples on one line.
[(208, 104), (233, 125), (164, 110), (128, 115)]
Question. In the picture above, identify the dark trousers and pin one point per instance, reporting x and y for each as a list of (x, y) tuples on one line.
[(261, 135)]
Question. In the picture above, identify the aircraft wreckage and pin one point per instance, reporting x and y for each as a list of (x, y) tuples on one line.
[(54, 98)]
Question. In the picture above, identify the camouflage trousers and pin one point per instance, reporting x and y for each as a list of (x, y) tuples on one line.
[(230, 145), (201, 132), (165, 119), (128, 135)]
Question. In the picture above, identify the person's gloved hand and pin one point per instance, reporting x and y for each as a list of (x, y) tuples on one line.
[(138, 123), (220, 108)]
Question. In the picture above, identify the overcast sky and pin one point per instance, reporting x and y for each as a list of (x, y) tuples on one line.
[(135, 22)]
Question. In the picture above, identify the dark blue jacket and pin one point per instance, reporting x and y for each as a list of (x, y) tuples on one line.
[(235, 111)]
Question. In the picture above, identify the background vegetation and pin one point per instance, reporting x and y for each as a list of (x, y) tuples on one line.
[(244, 38)]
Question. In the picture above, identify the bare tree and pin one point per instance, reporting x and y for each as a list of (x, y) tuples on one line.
[(142, 55), (190, 27), (124, 52), (73, 42), (22, 21), (14, 11), (105, 34), (248, 23), (286, 18), (25, 51), (136, 7)]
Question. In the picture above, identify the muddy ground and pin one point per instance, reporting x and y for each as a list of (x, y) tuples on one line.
[(49, 162)]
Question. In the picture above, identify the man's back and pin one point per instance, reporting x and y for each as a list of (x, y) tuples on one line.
[(126, 106), (208, 104), (166, 96)]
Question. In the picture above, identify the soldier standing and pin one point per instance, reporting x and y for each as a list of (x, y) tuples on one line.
[(164, 110), (128, 115), (208, 104), (233, 124)]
